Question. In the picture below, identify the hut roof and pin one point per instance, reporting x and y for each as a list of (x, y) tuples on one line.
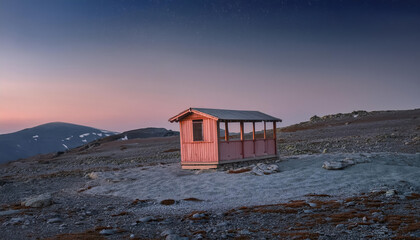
[(227, 115)]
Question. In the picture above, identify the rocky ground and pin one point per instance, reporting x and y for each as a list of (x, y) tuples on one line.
[(45, 197)]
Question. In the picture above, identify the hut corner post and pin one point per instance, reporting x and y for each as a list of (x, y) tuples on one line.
[(226, 132)]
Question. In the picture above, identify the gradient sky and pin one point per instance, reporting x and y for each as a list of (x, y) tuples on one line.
[(122, 65)]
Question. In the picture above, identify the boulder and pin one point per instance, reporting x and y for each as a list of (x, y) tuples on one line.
[(92, 175), (264, 169), (39, 201), (338, 165)]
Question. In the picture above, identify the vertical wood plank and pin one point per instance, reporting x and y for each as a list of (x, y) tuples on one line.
[(265, 130)]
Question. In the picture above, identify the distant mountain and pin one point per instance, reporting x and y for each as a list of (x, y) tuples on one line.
[(140, 133), (47, 138)]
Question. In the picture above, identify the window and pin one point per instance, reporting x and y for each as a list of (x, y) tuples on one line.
[(198, 130)]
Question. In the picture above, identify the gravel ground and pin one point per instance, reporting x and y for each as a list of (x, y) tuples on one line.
[(73, 214)]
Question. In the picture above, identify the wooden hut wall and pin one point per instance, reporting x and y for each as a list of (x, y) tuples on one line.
[(205, 151)]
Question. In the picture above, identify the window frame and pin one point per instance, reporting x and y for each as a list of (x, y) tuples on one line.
[(194, 123)]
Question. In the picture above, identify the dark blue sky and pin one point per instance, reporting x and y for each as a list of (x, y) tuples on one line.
[(292, 59)]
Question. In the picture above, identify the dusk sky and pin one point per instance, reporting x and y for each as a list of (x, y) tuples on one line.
[(122, 65)]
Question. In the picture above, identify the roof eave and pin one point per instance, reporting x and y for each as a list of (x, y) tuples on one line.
[(183, 114)]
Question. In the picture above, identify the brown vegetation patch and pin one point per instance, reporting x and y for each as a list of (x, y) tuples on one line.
[(345, 216), (202, 232), (193, 199), (411, 227), (317, 195), (405, 237), (15, 206), (84, 189), (395, 221), (76, 172), (241, 170), (242, 237), (167, 202), (413, 196), (120, 214), (274, 210), (172, 150), (88, 235)]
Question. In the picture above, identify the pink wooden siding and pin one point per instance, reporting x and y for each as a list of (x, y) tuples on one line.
[(233, 149), (200, 151)]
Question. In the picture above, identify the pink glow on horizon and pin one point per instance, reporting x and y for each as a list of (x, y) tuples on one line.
[(146, 92)]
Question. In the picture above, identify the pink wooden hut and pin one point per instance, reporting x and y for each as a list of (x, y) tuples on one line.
[(202, 147)]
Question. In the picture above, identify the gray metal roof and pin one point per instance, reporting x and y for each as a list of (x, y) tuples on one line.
[(237, 115)]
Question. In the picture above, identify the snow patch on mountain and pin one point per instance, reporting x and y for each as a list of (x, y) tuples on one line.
[(84, 135)]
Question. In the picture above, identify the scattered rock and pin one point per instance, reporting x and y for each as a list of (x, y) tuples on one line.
[(54, 220), (9, 212), (167, 232), (107, 232), (390, 193), (39, 201), (16, 220), (92, 175), (312, 204), (146, 219), (339, 226), (198, 215), (244, 232)]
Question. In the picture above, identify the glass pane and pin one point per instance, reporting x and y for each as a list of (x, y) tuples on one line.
[(198, 130)]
